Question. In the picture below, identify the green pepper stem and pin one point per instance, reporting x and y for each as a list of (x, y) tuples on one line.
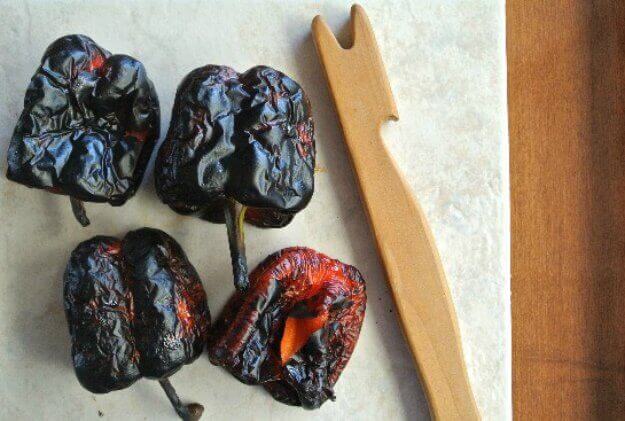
[(189, 412), (79, 211), (234, 213)]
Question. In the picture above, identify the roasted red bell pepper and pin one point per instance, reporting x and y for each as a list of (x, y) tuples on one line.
[(135, 308), (239, 147), (295, 328), (89, 125)]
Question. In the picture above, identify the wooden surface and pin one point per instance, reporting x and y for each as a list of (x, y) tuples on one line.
[(566, 62), (364, 102)]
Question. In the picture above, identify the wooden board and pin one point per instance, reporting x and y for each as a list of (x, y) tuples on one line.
[(567, 145)]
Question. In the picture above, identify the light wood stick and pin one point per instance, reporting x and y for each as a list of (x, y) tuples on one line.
[(364, 101)]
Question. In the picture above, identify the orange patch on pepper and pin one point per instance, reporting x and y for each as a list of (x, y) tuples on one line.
[(297, 331)]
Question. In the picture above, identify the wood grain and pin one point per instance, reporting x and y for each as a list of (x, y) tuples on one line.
[(566, 62), (364, 101)]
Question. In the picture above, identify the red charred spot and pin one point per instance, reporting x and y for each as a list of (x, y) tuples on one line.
[(304, 133), (140, 136), (184, 315), (190, 300), (305, 139), (113, 248), (96, 63)]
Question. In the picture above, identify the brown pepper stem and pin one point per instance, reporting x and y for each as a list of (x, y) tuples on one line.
[(189, 412), (234, 214), (79, 211)]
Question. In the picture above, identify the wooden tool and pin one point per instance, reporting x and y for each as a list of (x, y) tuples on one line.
[(364, 101)]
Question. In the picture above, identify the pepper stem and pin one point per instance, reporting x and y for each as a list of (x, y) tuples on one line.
[(235, 214), (190, 412), (79, 211)]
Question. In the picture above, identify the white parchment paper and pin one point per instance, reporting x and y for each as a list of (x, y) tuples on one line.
[(446, 64)]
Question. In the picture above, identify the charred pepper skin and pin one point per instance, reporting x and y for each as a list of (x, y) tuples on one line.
[(99, 310), (255, 339), (135, 308), (89, 124), (239, 147), (245, 137)]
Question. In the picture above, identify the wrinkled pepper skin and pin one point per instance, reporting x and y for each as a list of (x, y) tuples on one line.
[(135, 308), (89, 124), (247, 137), (295, 285)]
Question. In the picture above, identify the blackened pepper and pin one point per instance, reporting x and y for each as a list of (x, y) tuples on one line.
[(135, 308), (295, 328), (89, 125), (239, 147)]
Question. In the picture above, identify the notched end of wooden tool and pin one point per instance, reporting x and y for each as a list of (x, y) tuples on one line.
[(363, 40), (360, 63), (324, 37)]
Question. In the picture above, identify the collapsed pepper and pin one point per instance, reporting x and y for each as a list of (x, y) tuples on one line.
[(89, 125), (135, 308), (295, 328), (239, 147)]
